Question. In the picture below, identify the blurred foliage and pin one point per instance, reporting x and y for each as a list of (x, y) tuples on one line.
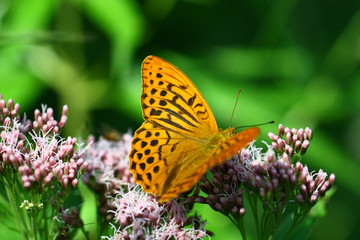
[(296, 62)]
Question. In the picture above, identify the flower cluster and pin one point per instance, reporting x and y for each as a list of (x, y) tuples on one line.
[(295, 142), (9, 112), (36, 150), (45, 121), (222, 195), (108, 161), (276, 178), (140, 216), (108, 169), (52, 159), (34, 157)]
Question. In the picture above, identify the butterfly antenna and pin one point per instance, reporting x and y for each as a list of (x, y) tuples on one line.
[(237, 99), (256, 125)]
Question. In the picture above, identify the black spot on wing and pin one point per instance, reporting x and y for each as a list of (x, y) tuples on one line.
[(148, 175), (143, 144), (150, 160), (153, 91), (139, 177), (133, 165), (154, 142), (162, 103), (155, 112), (191, 100), (163, 93)]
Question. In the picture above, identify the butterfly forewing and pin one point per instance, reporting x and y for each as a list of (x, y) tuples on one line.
[(232, 145), (172, 101)]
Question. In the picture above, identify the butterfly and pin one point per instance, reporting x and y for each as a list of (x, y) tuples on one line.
[(179, 140)]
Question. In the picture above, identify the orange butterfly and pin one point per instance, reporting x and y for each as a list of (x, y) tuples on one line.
[(179, 140)]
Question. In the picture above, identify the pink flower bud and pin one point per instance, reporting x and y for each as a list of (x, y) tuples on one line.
[(56, 129), (27, 184), (2, 104), (11, 104), (308, 133), (13, 113), (300, 134), (314, 197), (65, 181), (84, 167), (5, 112), (40, 121), (297, 146), (311, 186), (295, 138), (49, 112), (48, 178), (281, 130), (331, 179), (36, 125), (286, 158), (37, 114), (7, 120), (37, 174), (18, 158), (65, 110), (45, 128), (304, 146), (17, 108), (62, 122), (273, 136), (303, 190), (288, 138), (74, 182), (281, 144)]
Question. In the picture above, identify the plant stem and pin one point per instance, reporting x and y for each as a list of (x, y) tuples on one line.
[(253, 206), (18, 217), (33, 226), (242, 228)]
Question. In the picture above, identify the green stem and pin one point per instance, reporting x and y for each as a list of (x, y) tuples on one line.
[(53, 222), (33, 226), (85, 233), (19, 219), (253, 205), (242, 228), (298, 218)]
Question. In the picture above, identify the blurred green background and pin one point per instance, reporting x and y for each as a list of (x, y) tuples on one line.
[(297, 62)]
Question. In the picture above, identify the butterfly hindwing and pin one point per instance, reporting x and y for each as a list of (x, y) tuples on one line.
[(159, 159)]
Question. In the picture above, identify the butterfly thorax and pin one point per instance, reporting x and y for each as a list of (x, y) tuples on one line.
[(216, 140)]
